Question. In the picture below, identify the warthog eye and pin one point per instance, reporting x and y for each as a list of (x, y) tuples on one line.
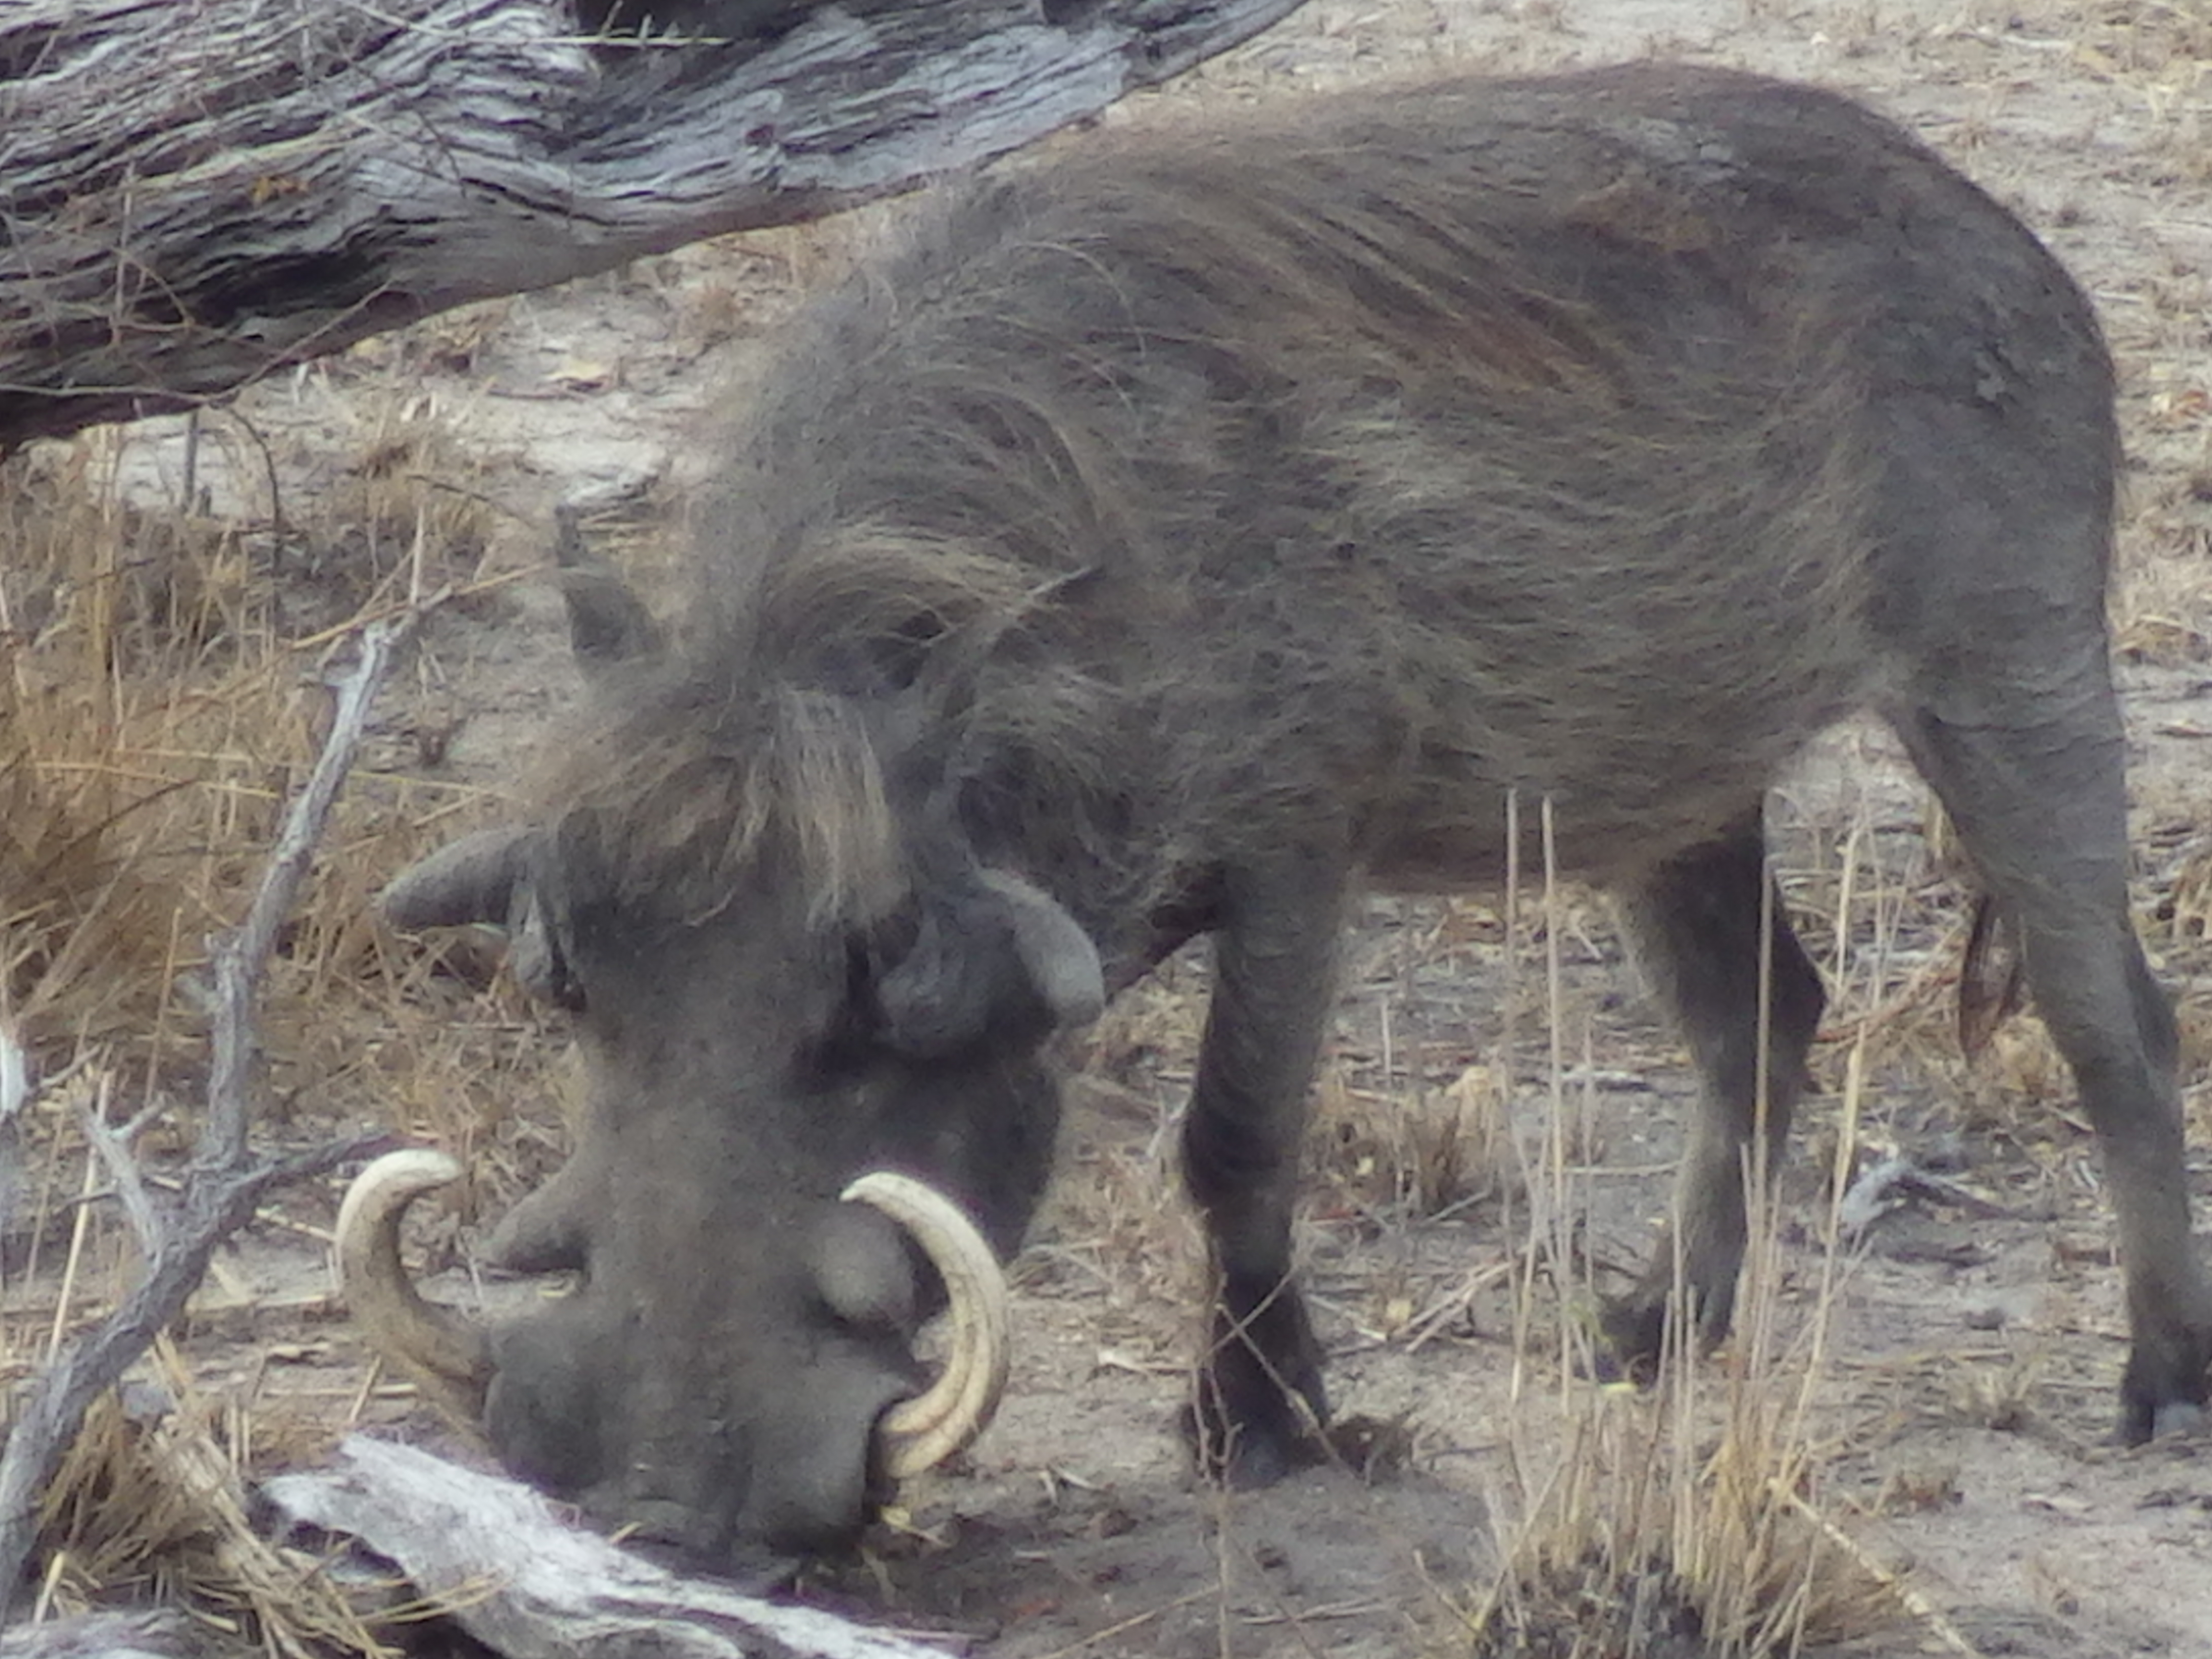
[(847, 1044)]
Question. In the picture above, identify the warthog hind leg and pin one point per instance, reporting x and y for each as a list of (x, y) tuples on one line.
[(2040, 806)]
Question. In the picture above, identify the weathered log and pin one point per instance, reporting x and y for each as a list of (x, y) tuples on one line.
[(194, 193), (532, 1586), (155, 1633)]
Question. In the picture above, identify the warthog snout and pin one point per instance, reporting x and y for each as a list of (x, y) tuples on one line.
[(817, 1461)]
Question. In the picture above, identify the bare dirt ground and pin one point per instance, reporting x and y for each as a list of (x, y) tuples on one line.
[(1499, 1108)]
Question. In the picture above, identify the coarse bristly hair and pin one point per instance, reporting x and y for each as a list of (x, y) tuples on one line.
[(1332, 472)]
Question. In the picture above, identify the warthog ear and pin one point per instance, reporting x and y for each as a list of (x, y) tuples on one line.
[(486, 878), (993, 954), (472, 880), (608, 624)]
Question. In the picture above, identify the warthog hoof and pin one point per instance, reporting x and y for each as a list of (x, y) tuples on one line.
[(1261, 1409), (2163, 1391), (1635, 1332)]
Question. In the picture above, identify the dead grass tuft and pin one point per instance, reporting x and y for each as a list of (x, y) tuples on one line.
[(1396, 1159), (1646, 1547), (152, 1500), (1691, 1519), (129, 764)]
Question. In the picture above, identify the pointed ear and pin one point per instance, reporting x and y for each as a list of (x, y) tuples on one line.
[(992, 954), (1061, 962), (608, 624), (472, 880), (487, 877)]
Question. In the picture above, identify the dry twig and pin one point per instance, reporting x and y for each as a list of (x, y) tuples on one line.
[(226, 1180)]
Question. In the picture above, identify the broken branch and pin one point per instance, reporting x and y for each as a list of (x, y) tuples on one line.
[(224, 1182)]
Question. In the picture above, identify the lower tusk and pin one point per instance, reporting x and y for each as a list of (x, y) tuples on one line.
[(446, 1355), (922, 1432)]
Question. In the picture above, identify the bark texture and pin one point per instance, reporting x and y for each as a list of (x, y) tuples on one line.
[(194, 193)]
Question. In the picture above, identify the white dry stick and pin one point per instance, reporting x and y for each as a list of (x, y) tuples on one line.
[(239, 956), (15, 1075), (14, 1095), (152, 1633), (113, 1146), (225, 1181)]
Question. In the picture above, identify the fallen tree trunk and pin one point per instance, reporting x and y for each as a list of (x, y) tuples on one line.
[(194, 193), (491, 1553)]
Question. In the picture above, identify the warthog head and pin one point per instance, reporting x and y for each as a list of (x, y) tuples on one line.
[(809, 1067)]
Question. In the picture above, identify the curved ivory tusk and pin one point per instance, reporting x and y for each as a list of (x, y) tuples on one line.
[(446, 1355), (922, 1432)]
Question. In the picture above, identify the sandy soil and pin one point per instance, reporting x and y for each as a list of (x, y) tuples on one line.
[(1957, 1433)]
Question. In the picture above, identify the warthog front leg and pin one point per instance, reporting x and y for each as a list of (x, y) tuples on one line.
[(1259, 1389), (1705, 938)]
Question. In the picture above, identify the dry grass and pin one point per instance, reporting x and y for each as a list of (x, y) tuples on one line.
[(1706, 1517), (1692, 1518), (155, 1501), (1686, 1519), (160, 694)]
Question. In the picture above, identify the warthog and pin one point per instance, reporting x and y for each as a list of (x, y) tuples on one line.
[(1186, 535)]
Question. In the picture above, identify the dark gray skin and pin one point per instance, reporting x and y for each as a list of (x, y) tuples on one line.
[(1187, 535)]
